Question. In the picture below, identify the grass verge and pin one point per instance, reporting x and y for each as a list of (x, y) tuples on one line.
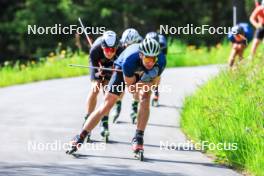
[(229, 109)]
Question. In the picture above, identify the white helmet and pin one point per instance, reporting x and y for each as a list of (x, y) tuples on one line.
[(153, 35), (130, 36), (149, 47), (109, 39)]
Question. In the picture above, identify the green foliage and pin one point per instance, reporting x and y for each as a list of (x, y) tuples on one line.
[(116, 15), (229, 108)]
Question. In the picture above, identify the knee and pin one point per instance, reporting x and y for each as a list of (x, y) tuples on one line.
[(109, 101), (93, 94), (256, 42)]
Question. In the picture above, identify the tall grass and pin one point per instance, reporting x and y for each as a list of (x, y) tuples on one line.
[(230, 109)]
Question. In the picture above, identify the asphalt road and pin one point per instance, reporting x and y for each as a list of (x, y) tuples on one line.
[(37, 119)]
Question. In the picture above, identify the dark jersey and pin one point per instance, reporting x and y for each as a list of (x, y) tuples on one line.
[(97, 57)]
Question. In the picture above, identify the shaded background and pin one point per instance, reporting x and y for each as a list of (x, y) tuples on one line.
[(144, 15)]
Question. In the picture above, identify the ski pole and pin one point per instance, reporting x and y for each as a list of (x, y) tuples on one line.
[(98, 68), (234, 15), (85, 32)]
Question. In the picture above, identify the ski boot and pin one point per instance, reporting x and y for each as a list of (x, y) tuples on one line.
[(137, 147), (116, 111), (155, 101), (133, 114), (104, 129), (75, 144)]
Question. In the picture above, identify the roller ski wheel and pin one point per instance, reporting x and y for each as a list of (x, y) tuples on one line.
[(155, 102), (88, 139), (75, 145), (138, 149), (139, 155), (105, 135)]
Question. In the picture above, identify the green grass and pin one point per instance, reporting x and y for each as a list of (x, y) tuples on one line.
[(230, 108), (54, 66), (184, 55)]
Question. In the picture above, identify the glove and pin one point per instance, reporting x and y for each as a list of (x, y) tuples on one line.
[(104, 73), (150, 74), (99, 74)]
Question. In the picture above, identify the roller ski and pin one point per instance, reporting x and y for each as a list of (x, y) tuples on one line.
[(137, 147), (116, 111), (88, 138), (105, 135), (104, 130), (133, 114), (133, 117), (75, 144), (155, 101)]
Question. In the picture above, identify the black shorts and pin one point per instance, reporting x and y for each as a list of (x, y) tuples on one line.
[(259, 34), (117, 84)]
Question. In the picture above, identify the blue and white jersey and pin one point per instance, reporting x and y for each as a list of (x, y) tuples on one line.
[(247, 30)]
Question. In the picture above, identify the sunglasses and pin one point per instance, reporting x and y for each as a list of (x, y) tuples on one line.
[(148, 59), (109, 50)]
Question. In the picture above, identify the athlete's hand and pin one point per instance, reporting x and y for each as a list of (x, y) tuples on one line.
[(259, 25), (150, 74), (100, 73)]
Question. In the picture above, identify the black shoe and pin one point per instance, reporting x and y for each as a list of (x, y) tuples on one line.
[(75, 144)]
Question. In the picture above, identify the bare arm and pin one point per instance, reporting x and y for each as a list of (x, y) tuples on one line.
[(253, 17)]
